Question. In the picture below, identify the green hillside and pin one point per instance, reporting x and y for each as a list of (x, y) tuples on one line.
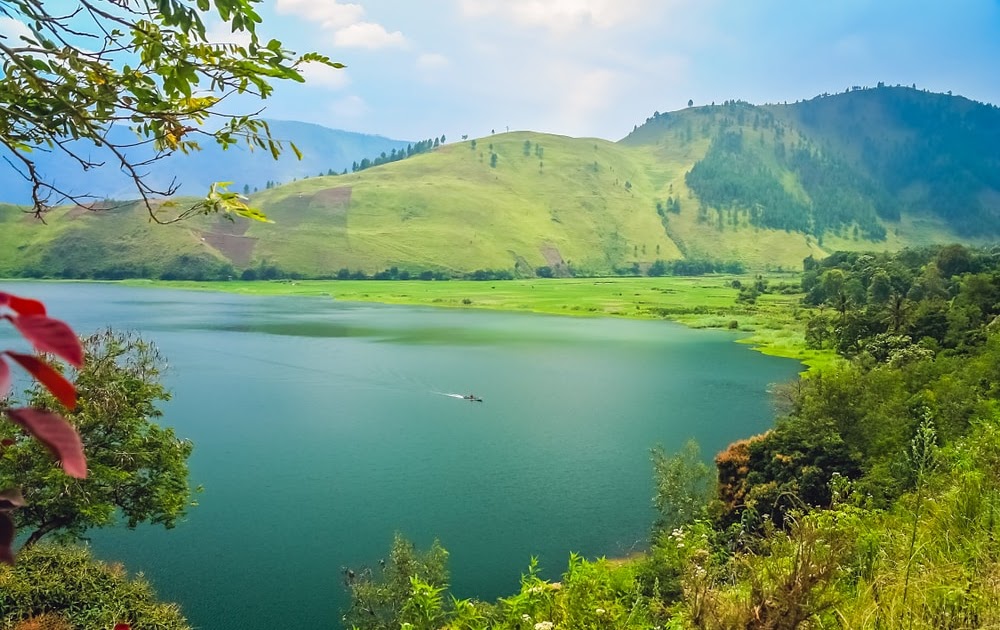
[(763, 185)]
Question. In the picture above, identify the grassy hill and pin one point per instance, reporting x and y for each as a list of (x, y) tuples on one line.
[(763, 185)]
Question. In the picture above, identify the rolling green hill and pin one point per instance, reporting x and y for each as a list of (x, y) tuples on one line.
[(762, 185)]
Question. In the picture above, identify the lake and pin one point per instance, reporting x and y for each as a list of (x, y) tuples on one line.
[(321, 428)]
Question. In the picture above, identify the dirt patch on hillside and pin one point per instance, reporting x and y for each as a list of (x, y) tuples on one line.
[(333, 197), (552, 256), (237, 248)]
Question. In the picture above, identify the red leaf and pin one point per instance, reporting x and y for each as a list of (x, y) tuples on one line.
[(51, 335), (22, 306), (53, 381), (122, 626), (6, 538), (6, 442), (58, 435), (4, 379)]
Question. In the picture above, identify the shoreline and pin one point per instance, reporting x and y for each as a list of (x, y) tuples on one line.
[(772, 325)]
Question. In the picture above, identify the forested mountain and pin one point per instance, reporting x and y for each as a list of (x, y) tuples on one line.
[(856, 161), (733, 185)]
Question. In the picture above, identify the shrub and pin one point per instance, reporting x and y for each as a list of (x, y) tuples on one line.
[(53, 582)]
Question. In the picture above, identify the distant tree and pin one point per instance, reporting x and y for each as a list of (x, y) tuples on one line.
[(437, 143), (658, 268), (442, 139), (683, 486), (246, 189), (137, 469), (381, 599), (953, 260), (690, 102), (472, 144), (527, 148), (493, 160)]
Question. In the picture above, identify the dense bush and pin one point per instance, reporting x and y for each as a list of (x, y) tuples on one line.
[(66, 584)]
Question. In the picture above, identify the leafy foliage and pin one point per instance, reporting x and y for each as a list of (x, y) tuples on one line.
[(682, 486), (65, 587), (406, 589), (136, 468), (51, 430), (76, 73)]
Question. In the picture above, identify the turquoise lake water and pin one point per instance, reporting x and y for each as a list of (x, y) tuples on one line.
[(321, 428)]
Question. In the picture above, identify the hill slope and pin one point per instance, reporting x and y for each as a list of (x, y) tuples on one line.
[(764, 185)]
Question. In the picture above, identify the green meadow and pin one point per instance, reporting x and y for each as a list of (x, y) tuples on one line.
[(774, 324)]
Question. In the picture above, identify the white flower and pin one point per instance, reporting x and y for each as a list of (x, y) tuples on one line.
[(544, 625), (525, 617), (600, 611)]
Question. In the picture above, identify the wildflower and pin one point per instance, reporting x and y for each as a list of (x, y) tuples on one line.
[(600, 611), (544, 625), (525, 617)]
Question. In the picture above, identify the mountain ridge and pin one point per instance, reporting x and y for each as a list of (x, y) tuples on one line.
[(761, 185)]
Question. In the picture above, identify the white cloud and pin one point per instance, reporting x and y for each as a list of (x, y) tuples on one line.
[(329, 14), (584, 94), (13, 30), (432, 61), (346, 21), (559, 15), (317, 74), (367, 35)]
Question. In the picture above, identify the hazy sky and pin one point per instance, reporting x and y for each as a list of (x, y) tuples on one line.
[(422, 68)]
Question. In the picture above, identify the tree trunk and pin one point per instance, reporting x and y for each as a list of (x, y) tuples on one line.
[(47, 527)]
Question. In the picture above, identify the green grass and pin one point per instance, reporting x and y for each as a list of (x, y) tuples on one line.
[(774, 325), (585, 203)]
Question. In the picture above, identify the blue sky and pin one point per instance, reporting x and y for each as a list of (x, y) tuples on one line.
[(422, 68)]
